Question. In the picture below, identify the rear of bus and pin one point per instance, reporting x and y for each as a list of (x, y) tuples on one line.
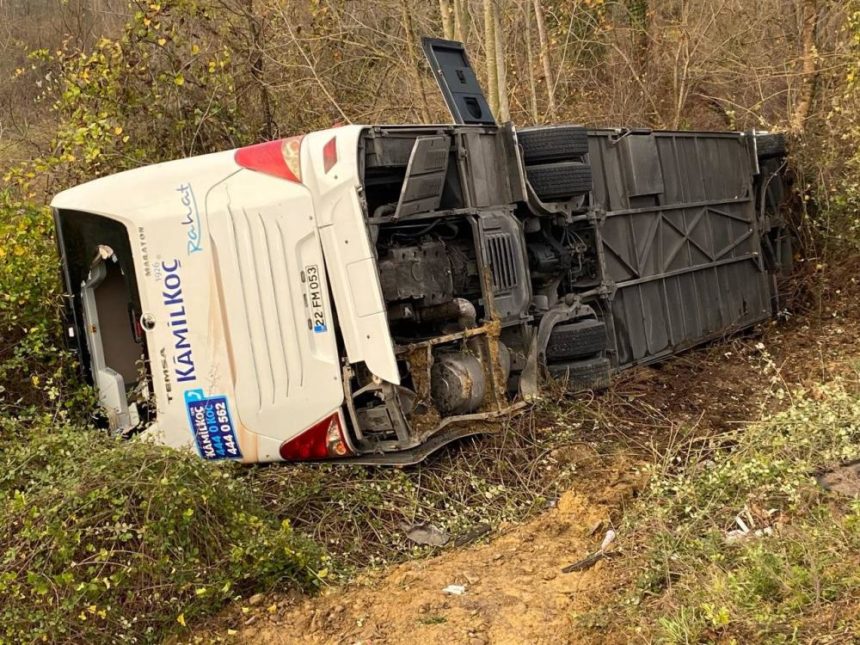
[(199, 301)]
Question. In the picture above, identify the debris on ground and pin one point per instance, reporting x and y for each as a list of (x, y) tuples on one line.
[(471, 536), (746, 527), (426, 534), (592, 559), (454, 590)]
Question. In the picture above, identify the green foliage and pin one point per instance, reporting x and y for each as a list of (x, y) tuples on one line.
[(772, 590), (99, 544), (163, 89), (36, 374), (763, 585), (768, 464)]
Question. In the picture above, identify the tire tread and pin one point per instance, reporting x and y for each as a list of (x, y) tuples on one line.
[(560, 181), (553, 143)]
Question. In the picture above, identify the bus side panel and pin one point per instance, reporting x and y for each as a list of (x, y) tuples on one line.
[(680, 239)]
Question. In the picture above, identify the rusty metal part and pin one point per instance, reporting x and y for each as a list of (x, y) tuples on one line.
[(408, 349), (497, 366), (425, 417)]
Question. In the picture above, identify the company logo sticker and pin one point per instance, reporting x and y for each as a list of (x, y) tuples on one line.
[(212, 425), (191, 219), (174, 303), (314, 299)]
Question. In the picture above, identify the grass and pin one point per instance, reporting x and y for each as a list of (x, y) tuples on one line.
[(100, 541), (784, 583)]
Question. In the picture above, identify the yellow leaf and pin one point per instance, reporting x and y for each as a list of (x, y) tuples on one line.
[(181, 619), (195, 49), (179, 79), (117, 130), (162, 41)]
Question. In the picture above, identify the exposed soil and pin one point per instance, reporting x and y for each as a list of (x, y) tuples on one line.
[(514, 589)]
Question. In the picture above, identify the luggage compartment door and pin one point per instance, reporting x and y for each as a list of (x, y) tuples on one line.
[(457, 81)]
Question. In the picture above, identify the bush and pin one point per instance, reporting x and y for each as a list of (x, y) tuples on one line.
[(100, 544), (36, 374)]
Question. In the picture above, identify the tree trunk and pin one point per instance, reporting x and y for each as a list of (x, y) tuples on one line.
[(809, 67), (412, 46), (530, 70), (544, 59), (447, 19), (501, 71), (490, 49), (256, 63), (459, 21), (639, 16)]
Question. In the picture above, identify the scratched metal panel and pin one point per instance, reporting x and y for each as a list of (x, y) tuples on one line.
[(680, 239)]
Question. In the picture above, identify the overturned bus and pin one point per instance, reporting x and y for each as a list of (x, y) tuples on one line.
[(371, 293)]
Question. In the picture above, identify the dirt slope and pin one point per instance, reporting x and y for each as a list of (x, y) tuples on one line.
[(514, 589), (513, 585)]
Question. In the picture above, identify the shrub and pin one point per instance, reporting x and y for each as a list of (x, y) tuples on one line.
[(101, 544), (36, 374), (163, 89)]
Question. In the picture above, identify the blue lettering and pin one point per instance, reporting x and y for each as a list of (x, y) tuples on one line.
[(172, 298)]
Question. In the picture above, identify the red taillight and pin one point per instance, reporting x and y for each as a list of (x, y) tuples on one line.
[(330, 154), (323, 440), (278, 158)]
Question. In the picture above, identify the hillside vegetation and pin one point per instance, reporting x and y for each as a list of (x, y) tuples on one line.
[(102, 541)]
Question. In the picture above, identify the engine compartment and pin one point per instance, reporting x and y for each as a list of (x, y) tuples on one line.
[(467, 271)]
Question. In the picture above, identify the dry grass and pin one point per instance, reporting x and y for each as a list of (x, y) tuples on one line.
[(360, 514)]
